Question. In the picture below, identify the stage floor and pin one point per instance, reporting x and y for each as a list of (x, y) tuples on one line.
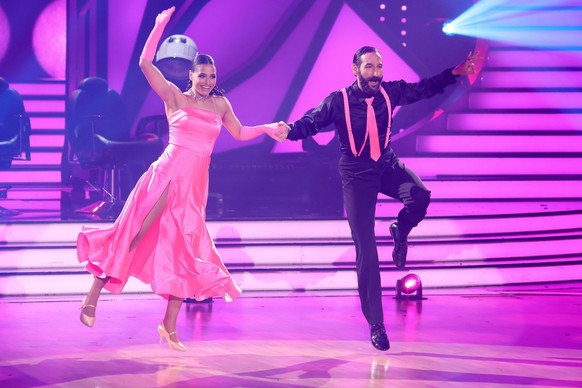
[(495, 338)]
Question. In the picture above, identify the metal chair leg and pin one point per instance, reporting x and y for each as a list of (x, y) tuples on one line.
[(111, 204)]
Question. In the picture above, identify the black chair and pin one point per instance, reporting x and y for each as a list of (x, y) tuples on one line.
[(154, 124), (99, 137), (14, 134)]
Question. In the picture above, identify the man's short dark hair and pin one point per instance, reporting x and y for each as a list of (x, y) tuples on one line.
[(361, 51)]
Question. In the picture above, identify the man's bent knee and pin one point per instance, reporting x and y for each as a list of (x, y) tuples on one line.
[(420, 197)]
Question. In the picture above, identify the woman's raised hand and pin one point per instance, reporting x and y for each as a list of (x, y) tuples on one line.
[(164, 17)]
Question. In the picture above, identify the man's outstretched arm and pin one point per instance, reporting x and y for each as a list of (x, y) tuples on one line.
[(312, 121)]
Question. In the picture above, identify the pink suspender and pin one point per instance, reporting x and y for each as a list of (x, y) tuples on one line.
[(349, 122), (389, 116), (349, 125)]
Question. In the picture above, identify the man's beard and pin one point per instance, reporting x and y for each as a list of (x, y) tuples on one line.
[(365, 86)]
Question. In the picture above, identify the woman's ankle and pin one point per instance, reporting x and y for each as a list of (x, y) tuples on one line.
[(169, 326)]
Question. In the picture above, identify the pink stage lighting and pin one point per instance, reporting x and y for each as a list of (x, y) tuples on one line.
[(4, 33), (50, 39), (409, 287)]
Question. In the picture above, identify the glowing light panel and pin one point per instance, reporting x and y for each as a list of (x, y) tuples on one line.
[(525, 100), (495, 189), (473, 166), (49, 39), (4, 33), (531, 79), (515, 121), (533, 59), (48, 123)]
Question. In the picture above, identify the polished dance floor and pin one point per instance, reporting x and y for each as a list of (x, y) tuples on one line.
[(491, 338)]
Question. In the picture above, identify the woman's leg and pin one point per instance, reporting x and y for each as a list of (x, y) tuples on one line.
[(172, 310), (90, 302), (150, 218), (95, 291)]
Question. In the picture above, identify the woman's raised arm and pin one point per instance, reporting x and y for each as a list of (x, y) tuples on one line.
[(167, 91)]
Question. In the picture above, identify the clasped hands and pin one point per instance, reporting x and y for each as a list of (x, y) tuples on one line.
[(280, 134)]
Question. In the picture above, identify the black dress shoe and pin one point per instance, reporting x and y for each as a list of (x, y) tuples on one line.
[(379, 337), (400, 246)]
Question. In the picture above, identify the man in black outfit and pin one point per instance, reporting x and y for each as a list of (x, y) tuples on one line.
[(368, 165)]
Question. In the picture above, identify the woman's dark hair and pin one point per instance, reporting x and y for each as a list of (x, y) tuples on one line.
[(361, 51), (204, 59)]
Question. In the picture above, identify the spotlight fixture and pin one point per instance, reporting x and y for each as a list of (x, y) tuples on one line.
[(409, 287), (449, 28)]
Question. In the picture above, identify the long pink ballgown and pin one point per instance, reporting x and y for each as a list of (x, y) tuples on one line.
[(177, 255)]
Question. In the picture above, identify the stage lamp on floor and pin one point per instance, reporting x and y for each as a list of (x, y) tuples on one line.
[(409, 287)]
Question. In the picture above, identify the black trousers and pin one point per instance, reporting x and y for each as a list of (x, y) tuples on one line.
[(362, 180)]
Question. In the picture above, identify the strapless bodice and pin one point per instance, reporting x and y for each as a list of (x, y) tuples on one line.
[(194, 129)]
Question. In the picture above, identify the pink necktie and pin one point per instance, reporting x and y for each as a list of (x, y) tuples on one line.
[(372, 130)]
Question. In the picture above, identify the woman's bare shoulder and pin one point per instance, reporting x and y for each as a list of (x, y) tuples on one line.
[(221, 100), (222, 104)]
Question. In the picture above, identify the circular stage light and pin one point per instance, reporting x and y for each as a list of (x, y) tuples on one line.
[(49, 39), (4, 33), (409, 288), (410, 283)]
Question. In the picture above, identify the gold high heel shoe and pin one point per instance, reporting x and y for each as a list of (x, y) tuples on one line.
[(85, 319), (173, 345)]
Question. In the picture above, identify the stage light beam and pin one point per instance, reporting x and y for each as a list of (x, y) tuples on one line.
[(533, 23), (449, 28)]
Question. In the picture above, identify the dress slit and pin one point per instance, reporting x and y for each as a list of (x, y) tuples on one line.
[(152, 216)]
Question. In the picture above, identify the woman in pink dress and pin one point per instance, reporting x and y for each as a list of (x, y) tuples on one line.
[(161, 237)]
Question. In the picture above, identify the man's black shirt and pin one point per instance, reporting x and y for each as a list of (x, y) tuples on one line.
[(331, 110)]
